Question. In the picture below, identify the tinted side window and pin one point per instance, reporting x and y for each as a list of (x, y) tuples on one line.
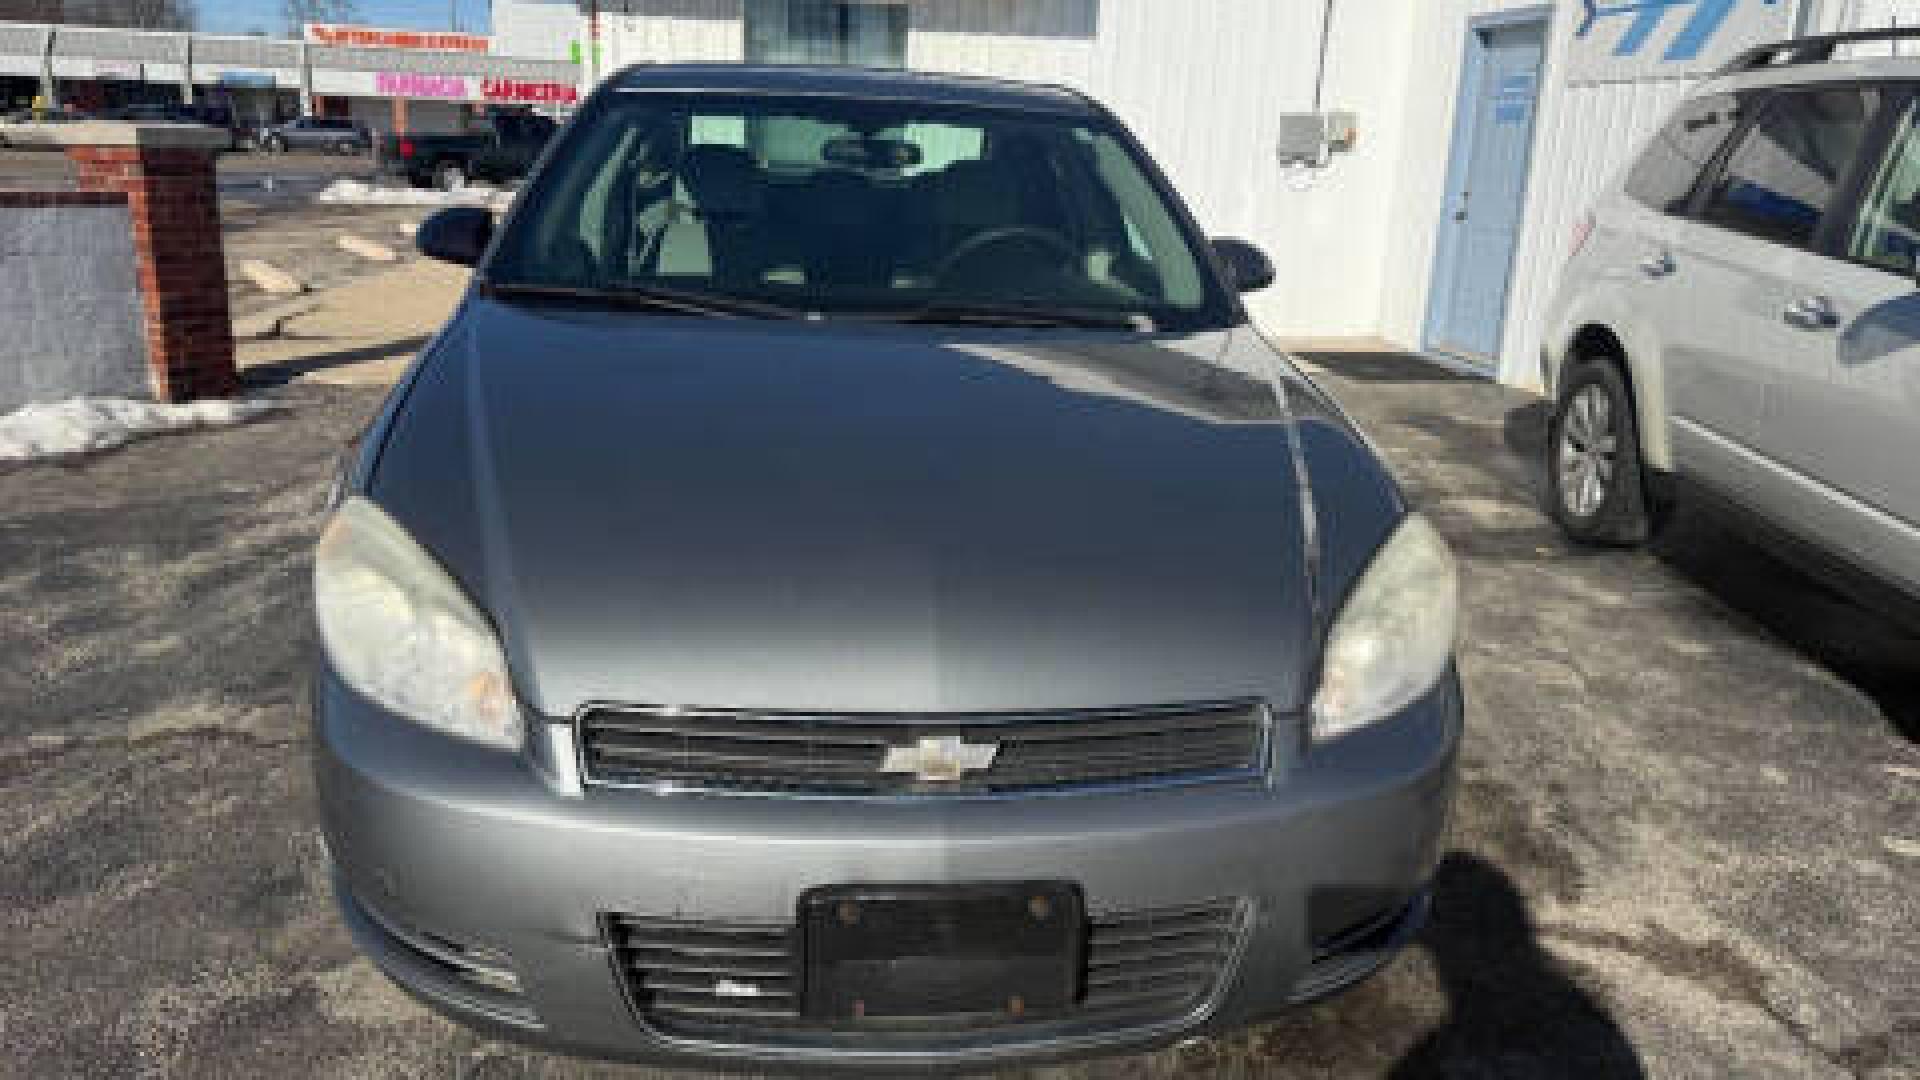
[(1781, 178), (1666, 173), (1887, 233)]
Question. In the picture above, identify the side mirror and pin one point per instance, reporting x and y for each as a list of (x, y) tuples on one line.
[(458, 234), (1248, 268)]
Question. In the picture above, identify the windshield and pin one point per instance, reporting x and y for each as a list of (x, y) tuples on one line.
[(859, 208)]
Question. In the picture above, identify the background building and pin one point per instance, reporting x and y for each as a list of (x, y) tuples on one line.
[(385, 79), (1480, 129)]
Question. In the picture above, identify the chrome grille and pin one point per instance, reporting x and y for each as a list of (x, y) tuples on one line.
[(728, 980), (775, 753)]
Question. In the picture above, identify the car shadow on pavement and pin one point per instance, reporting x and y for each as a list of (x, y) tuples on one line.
[(1388, 367), (1526, 430), (1511, 1010), (1737, 566), (1878, 655)]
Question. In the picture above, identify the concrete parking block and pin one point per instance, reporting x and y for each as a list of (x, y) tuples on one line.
[(271, 278), (367, 249)]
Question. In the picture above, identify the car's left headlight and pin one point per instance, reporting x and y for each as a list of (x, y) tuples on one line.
[(1394, 637), (401, 632)]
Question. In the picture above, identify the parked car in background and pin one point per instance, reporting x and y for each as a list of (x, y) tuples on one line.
[(331, 134), (1740, 320), (850, 588), (501, 152), (206, 115)]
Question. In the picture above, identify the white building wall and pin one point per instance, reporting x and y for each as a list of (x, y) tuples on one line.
[(537, 29), (1828, 15), (672, 32), (1042, 41)]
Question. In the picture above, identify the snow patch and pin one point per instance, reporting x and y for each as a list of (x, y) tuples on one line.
[(87, 425), (361, 193)]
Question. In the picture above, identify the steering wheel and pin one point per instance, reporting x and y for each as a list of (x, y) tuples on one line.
[(1005, 234)]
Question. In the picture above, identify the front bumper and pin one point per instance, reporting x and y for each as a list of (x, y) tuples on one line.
[(479, 879)]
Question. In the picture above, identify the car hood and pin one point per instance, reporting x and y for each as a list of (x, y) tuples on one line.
[(824, 516)]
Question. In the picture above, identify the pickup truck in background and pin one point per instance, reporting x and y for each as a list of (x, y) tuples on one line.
[(500, 153)]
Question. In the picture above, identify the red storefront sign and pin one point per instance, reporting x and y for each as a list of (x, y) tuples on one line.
[(379, 38), (518, 92)]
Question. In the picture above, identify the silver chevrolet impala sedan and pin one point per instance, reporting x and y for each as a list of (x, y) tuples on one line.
[(848, 589)]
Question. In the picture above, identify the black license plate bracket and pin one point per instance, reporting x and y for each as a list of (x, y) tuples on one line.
[(872, 952)]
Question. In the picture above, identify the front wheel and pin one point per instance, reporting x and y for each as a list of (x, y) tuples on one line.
[(1594, 468)]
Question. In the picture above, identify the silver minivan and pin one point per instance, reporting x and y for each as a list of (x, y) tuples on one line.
[(1740, 318)]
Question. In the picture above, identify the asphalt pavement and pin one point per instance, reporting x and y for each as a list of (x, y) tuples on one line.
[(1687, 841)]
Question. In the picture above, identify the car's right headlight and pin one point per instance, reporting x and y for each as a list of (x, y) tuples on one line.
[(401, 632), (1395, 636)]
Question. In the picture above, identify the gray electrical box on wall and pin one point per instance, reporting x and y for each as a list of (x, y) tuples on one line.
[(1306, 138)]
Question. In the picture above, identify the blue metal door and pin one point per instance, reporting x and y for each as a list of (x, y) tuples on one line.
[(1487, 187)]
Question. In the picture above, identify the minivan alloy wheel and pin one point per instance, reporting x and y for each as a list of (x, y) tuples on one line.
[(1589, 446)]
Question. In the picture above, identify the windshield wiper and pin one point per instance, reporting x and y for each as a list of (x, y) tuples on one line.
[(649, 297), (1016, 315)]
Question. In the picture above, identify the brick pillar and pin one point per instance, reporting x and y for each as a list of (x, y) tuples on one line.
[(176, 235)]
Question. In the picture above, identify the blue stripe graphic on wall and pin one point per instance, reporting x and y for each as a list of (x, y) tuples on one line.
[(1648, 15)]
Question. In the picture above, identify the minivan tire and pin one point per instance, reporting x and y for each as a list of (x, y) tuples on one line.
[(1596, 484)]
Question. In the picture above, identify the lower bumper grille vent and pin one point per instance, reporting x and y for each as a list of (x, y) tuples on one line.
[(739, 982)]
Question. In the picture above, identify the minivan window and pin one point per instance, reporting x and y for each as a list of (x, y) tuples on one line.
[(1887, 234), (860, 209), (1780, 179), (1669, 169)]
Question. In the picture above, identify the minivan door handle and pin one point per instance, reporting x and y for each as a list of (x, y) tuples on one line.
[(1811, 313), (1657, 265)]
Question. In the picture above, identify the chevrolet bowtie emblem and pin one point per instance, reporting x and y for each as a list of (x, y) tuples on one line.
[(940, 759)]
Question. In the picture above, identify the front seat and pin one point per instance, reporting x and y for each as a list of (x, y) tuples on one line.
[(722, 231)]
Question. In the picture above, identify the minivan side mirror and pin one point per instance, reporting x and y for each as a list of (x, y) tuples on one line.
[(458, 234), (1248, 268)]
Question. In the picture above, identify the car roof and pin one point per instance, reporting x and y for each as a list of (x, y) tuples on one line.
[(1854, 69), (880, 84)]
